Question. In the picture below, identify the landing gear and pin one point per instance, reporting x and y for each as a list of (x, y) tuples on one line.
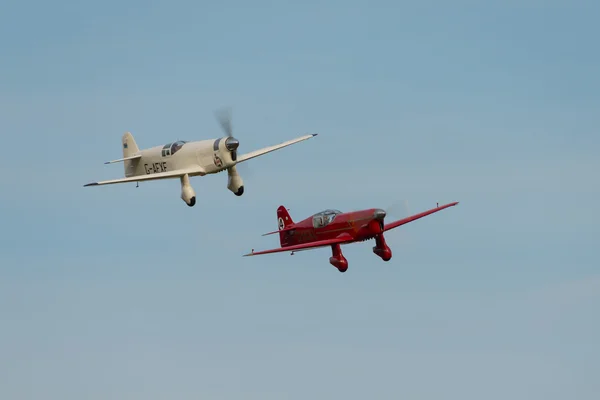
[(235, 182), (187, 192), (337, 259), (381, 248)]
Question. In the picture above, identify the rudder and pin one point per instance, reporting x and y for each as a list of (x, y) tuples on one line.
[(130, 148), (284, 220)]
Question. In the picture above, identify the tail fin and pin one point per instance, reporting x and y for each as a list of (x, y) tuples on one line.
[(130, 147), (284, 220)]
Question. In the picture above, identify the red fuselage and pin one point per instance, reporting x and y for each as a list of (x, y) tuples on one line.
[(356, 225)]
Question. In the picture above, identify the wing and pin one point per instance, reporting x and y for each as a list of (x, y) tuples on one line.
[(396, 224), (256, 153), (304, 246), (161, 175)]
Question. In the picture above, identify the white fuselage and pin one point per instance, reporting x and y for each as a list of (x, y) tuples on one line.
[(191, 154)]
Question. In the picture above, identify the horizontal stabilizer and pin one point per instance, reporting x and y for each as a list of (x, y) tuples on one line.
[(124, 159), (290, 228)]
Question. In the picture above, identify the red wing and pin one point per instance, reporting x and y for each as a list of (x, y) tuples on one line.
[(396, 224), (303, 246)]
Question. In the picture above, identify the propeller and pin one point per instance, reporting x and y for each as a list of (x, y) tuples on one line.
[(398, 210), (224, 117), (395, 211)]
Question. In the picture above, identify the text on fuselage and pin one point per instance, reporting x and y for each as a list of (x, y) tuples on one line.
[(303, 235), (156, 167)]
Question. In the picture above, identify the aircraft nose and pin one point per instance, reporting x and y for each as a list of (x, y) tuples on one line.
[(231, 143), (379, 214)]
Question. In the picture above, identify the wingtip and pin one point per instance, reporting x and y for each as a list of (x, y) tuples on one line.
[(447, 204), (91, 184)]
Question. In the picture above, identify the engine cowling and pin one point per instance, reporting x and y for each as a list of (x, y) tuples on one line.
[(235, 183)]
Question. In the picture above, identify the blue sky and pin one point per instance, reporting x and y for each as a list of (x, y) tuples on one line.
[(124, 292)]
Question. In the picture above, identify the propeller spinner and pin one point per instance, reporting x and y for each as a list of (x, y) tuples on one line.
[(231, 143)]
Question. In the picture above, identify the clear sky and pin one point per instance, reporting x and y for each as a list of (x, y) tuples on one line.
[(119, 292)]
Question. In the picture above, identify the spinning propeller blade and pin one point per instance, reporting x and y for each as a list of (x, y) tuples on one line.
[(224, 117), (397, 210)]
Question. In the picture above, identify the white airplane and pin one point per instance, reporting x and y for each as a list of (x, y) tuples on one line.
[(183, 159)]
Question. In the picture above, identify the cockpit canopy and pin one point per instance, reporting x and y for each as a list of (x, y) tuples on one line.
[(172, 148), (324, 218)]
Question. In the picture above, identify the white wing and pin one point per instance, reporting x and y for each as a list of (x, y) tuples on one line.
[(161, 175), (256, 153)]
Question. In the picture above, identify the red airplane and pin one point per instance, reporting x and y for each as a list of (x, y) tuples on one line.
[(334, 228)]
